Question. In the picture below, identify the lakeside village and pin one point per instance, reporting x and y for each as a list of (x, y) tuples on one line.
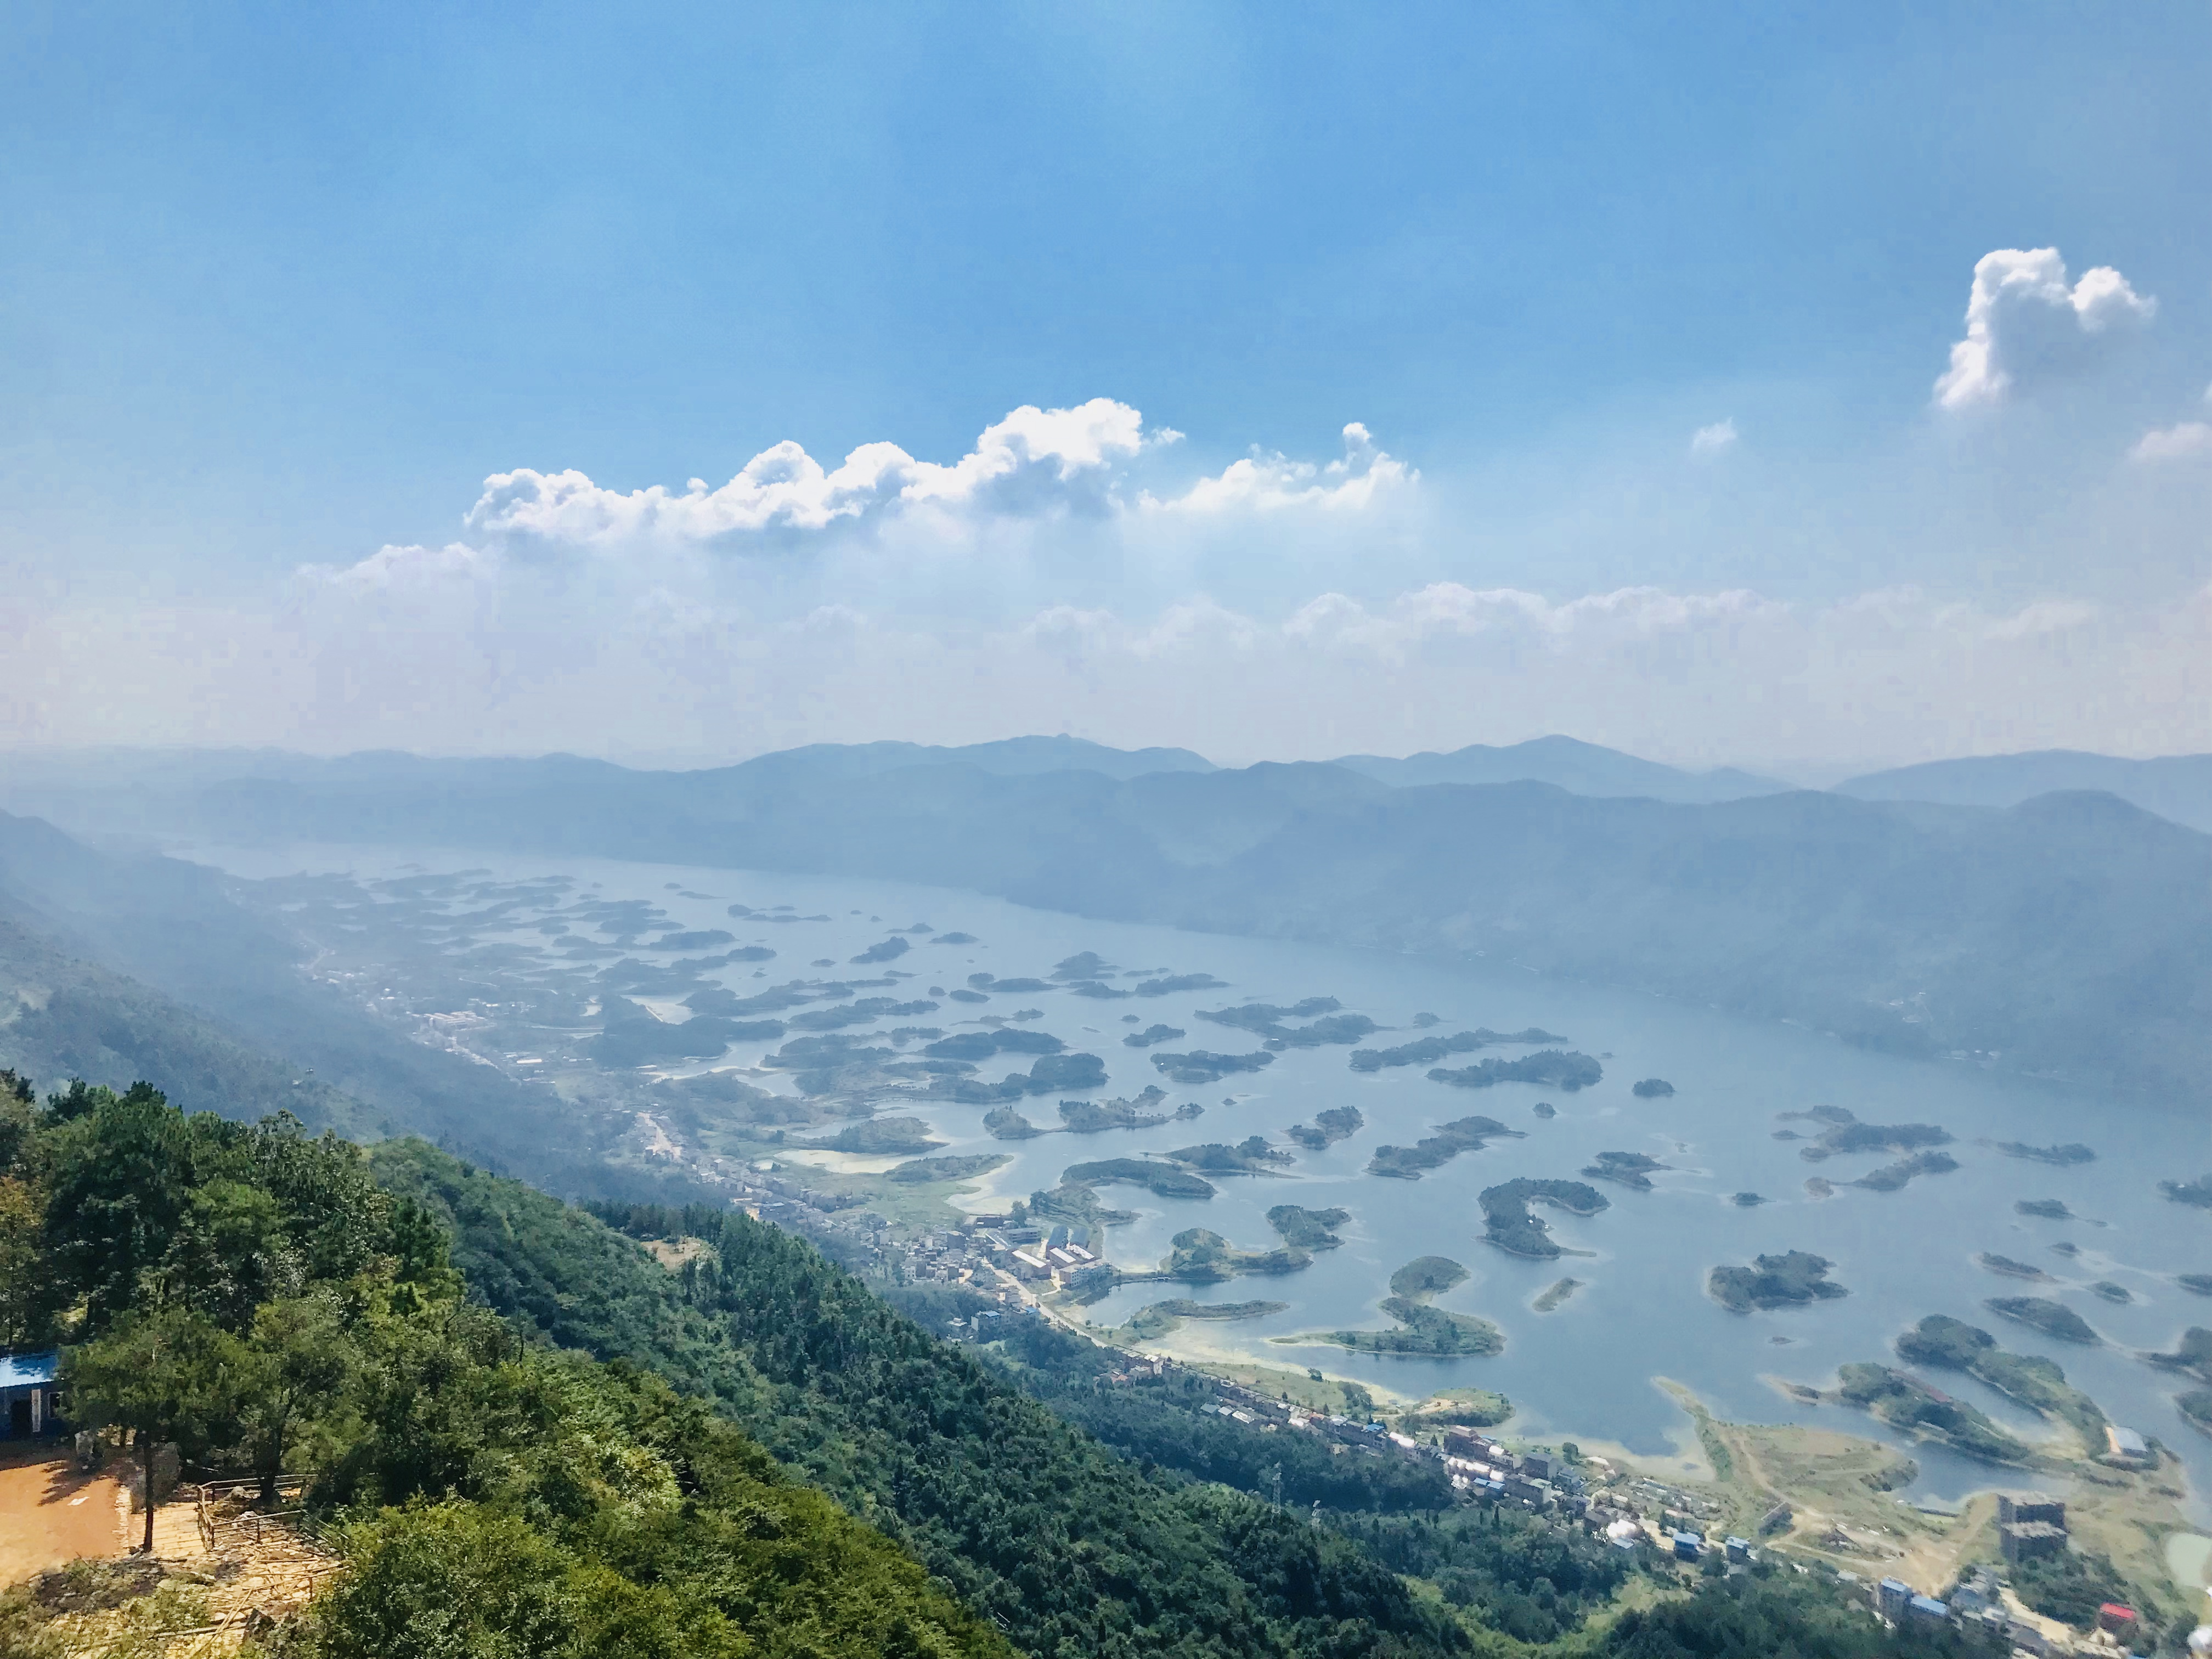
[(1042, 1273)]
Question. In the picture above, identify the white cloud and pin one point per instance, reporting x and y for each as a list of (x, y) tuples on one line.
[(390, 568), (1032, 462), (2175, 443), (2023, 320), (1714, 439), (1269, 483), (1035, 466)]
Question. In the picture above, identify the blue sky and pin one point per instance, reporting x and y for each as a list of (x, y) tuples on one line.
[(282, 287)]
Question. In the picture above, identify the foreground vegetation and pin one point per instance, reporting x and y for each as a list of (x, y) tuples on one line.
[(251, 1296), (525, 1436)]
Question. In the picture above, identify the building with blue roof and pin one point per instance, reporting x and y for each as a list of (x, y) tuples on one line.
[(27, 1395)]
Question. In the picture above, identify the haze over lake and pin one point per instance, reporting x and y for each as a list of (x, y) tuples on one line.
[(1587, 1368)]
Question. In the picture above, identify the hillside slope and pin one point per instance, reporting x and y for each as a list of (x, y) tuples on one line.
[(1066, 1547), (62, 1017)]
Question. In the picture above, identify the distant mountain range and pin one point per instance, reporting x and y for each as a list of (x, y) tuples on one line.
[(2176, 787), (1580, 768), (2070, 934)]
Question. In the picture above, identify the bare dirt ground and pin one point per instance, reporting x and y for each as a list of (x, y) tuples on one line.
[(222, 1568), (50, 1514)]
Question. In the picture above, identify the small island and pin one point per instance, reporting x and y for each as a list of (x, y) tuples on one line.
[(1091, 1117), (1464, 1134), (1817, 1187), (1426, 1051), (2010, 1268), (1153, 1035), (1336, 1123), (1204, 1257), (2051, 1318), (2072, 1153), (1748, 1200), (1845, 1134), (1161, 1179), (1796, 1278), (1508, 1223), (1421, 1330), (2193, 1354), (1199, 1065), (1005, 1123), (2195, 1284), (1545, 1109), (2107, 1290), (1555, 1295), (1892, 1176), (2197, 1406), (1627, 1169), (1557, 1068), (1653, 1088), (2050, 1209), (2197, 1194), (1426, 1276), (1264, 1019), (1250, 1156), (1308, 1230), (1169, 984)]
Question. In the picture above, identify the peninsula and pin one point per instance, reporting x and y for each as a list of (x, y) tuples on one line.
[(1508, 1225)]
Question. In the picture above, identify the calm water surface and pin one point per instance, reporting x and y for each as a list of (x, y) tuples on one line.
[(1642, 1313)]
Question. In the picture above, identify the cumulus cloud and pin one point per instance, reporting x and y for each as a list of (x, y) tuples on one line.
[(1272, 482), (1035, 466), (2187, 440), (2024, 320), (1714, 439)]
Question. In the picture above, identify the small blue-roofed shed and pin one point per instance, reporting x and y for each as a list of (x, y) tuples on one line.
[(27, 1395)]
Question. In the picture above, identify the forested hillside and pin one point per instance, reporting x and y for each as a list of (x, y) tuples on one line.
[(115, 967), (1070, 1549), (61, 1016), (526, 1437), (250, 1295)]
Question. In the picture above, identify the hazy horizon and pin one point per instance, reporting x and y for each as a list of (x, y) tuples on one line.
[(1373, 385)]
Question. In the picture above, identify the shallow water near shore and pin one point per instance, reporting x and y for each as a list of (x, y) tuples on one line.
[(1641, 1310)]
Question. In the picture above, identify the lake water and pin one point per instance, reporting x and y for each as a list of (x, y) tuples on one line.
[(1588, 1367)]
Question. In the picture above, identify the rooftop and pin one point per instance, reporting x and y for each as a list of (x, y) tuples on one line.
[(21, 1370)]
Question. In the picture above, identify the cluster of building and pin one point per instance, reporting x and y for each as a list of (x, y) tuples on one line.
[(2027, 1527)]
